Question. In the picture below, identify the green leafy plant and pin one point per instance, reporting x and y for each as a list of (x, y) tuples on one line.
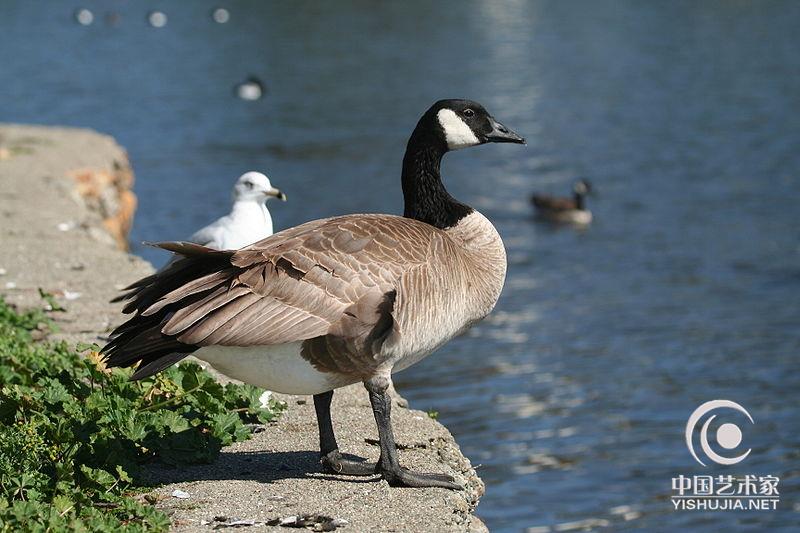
[(74, 435)]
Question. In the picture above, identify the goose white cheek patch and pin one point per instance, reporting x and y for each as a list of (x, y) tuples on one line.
[(456, 132)]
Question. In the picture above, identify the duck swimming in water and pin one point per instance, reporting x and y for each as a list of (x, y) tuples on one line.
[(565, 210)]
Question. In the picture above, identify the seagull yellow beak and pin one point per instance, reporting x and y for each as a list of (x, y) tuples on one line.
[(277, 193)]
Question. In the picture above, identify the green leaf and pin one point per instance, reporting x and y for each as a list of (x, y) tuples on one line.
[(87, 347), (123, 475), (190, 378), (73, 436), (98, 475)]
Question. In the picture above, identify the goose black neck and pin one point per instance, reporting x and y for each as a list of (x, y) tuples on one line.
[(580, 201), (426, 198)]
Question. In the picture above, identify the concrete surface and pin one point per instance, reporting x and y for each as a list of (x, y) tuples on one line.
[(52, 238)]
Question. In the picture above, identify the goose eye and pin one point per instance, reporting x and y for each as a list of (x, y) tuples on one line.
[(469, 113)]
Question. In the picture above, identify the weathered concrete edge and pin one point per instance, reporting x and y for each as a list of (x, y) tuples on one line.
[(66, 209)]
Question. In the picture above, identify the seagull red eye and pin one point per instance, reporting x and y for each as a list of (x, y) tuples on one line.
[(469, 113)]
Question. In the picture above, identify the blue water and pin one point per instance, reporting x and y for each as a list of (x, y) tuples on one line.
[(574, 394)]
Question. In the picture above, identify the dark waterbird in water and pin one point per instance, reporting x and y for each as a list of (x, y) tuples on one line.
[(334, 301), (565, 210)]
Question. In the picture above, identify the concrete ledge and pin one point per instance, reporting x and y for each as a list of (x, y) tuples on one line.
[(54, 237), (65, 205)]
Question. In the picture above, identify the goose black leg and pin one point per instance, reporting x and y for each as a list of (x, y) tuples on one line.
[(330, 457), (388, 464)]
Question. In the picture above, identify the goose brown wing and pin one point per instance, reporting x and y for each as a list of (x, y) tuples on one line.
[(326, 277)]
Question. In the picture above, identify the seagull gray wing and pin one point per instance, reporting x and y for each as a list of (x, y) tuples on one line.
[(210, 235)]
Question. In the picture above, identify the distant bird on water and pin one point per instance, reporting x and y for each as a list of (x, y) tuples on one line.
[(251, 89), (565, 210), (249, 220), (334, 301), (157, 19), (84, 17), (220, 15)]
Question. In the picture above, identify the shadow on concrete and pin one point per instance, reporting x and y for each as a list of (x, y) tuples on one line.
[(264, 467)]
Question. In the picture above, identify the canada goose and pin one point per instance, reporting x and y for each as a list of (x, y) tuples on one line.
[(334, 301), (566, 210), (249, 220)]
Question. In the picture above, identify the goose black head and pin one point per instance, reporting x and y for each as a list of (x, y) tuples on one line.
[(582, 187), (461, 123), (446, 125)]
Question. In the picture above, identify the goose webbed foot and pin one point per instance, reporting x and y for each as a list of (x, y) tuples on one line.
[(389, 465), (331, 458), (335, 463), (403, 477)]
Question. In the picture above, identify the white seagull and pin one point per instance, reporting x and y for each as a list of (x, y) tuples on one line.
[(249, 220)]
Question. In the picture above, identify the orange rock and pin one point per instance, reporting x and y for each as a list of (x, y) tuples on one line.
[(109, 194)]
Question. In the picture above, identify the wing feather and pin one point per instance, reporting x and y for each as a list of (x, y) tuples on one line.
[(330, 281), (305, 288), (191, 314)]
